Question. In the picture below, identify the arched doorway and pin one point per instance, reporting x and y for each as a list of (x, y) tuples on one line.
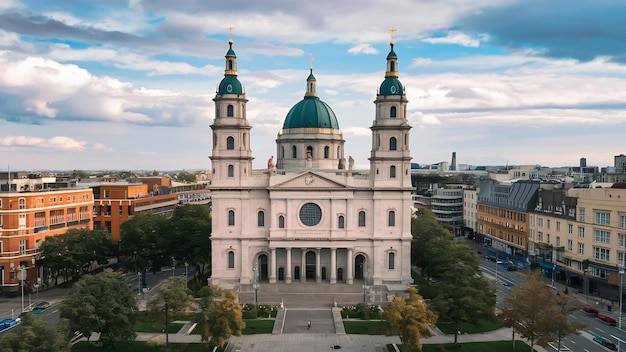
[(359, 265), (262, 265), (310, 265)]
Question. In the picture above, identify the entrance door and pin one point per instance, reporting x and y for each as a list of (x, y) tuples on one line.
[(310, 265), (359, 265), (323, 273), (296, 273), (281, 274), (340, 274), (263, 267)]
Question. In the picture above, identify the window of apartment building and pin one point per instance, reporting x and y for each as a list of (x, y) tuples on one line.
[(1, 249), (548, 238), (108, 213), (570, 228), (602, 254), (600, 273), (94, 210), (540, 222), (603, 218), (581, 214), (581, 248), (22, 247), (121, 210), (107, 226), (531, 234), (620, 259), (548, 224), (570, 245), (22, 221), (540, 236), (601, 236), (520, 241), (558, 241), (581, 232), (621, 240), (22, 203), (558, 226), (97, 225), (532, 220)]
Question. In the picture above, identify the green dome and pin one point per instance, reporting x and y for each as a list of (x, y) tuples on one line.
[(230, 85), (391, 86), (392, 54), (311, 112)]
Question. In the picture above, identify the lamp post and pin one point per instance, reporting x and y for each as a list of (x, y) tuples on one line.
[(621, 284), (138, 283), (496, 266), (554, 290), (619, 342), (21, 275), (186, 266), (173, 266)]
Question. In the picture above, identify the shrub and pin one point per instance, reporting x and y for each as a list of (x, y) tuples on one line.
[(249, 311)]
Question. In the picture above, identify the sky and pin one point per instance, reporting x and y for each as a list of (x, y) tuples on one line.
[(128, 85)]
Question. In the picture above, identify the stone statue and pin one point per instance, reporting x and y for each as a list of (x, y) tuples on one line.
[(270, 162), (350, 163)]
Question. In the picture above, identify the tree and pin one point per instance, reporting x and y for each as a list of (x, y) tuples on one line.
[(185, 176), (463, 293), (429, 240), (566, 305), (531, 310), (191, 228), (102, 303), (172, 298), (221, 317), (34, 334), (144, 241), (410, 317)]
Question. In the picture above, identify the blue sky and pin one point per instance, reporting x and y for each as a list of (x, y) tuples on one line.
[(128, 84)]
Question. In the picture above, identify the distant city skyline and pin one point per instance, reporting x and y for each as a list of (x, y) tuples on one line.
[(128, 85)]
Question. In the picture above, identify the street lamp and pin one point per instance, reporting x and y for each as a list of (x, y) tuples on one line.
[(554, 290), (186, 266), (173, 266), (621, 284), (138, 283), (255, 284), (586, 286)]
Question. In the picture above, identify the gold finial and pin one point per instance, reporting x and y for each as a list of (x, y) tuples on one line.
[(230, 33), (392, 30), (311, 62)]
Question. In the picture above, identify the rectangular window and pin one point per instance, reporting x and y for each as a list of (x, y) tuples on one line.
[(622, 240), (532, 219), (581, 214), (622, 221), (558, 226), (620, 259), (540, 222), (603, 218), (22, 247), (602, 254), (581, 248), (570, 228), (558, 241), (601, 236), (600, 273), (540, 236), (581, 232), (361, 218), (392, 261), (570, 245), (548, 224), (231, 260), (548, 238)]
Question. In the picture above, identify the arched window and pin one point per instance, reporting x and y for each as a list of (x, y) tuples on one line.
[(326, 152), (231, 218), (21, 203), (341, 222), (282, 151), (230, 111), (230, 143), (230, 64), (231, 171), (361, 218), (391, 222), (392, 260), (392, 66), (392, 171), (281, 222), (392, 112), (260, 221), (294, 152), (309, 151), (231, 260), (393, 143), (338, 152)]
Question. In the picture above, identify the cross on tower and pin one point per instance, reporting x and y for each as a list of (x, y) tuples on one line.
[(392, 30), (311, 61), (230, 32)]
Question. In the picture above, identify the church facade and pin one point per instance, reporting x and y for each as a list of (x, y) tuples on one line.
[(310, 216)]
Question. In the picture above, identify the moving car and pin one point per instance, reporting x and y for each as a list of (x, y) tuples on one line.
[(607, 319), (40, 305), (590, 310)]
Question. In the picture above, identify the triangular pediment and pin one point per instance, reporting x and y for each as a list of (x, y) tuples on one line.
[(310, 180)]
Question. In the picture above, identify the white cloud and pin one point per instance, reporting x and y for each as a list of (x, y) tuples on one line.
[(102, 147), (363, 48), (455, 37), (56, 142), (356, 132)]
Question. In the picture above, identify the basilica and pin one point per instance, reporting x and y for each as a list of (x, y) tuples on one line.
[(310, 216)]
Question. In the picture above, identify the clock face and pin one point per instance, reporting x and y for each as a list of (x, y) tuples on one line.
[(393, 89), (229, 88)]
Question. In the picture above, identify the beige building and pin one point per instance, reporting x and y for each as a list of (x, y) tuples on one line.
[(470, 201), (310, 216)]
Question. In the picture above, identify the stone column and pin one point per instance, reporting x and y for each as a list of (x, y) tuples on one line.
[(349, 278), (273, 266), (288, 277), (318, 266), (303, 266), (333, 265)]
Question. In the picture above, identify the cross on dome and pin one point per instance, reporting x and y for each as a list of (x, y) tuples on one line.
[(392, 30)]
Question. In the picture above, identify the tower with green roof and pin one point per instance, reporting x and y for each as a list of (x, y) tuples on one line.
[(231, 157), (390, 157)]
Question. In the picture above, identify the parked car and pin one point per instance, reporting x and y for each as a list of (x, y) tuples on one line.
[(40, 305), (591, 310), (606, 343), (511, 268), (607, 319), (7, 323)]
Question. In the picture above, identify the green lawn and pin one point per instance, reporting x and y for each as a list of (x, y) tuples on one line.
[(363, 327), (141, 346), (465, 328), (157, 326), (491, 346), (258, 326)]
